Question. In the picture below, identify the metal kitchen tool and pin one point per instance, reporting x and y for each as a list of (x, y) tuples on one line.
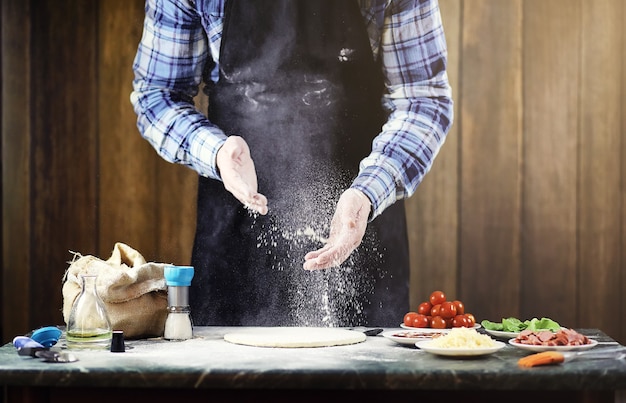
[(56, 356), (26, 346), (31, 348), (366, 331), (618, 353)]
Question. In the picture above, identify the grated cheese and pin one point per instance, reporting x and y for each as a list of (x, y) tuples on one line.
[(462, 337)]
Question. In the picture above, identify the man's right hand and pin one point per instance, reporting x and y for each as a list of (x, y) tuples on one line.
[(239, 175)]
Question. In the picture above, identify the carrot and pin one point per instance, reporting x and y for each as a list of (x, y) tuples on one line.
[(543, 358)]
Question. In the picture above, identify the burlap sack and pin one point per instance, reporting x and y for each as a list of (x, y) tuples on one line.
[(134, 291)]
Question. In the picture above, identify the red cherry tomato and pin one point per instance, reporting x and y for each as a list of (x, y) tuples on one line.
[(460, 321), (424, 308), (448, 310), (460, 307), (471, 320), (409, 317), (437, 297), (420, 321), (437, 322), (435, 310)]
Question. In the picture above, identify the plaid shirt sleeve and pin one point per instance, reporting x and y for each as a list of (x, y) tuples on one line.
[(168, 70), (418, 99)]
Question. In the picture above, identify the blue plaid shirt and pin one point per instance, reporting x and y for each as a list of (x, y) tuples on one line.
[(181, 37)]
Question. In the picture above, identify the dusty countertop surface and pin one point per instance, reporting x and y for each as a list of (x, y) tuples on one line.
[(208, 361)]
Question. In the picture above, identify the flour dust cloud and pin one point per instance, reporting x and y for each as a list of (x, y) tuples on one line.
[(333, 297)]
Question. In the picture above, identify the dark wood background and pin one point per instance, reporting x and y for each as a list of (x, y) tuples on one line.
[(523, 214)]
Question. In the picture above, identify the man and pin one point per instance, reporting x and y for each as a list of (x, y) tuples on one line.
[(322, 105)]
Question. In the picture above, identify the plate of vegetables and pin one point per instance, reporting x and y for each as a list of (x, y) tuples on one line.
[(511, 327)]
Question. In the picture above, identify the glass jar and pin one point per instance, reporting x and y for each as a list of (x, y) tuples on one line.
[(88, 326)]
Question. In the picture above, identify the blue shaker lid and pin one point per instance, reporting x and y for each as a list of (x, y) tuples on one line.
[(179, 276), (47, 336)]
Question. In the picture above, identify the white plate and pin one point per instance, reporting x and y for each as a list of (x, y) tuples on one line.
[(531, 347), (459, 352), (430, 329), (395, 335), (503, 334)]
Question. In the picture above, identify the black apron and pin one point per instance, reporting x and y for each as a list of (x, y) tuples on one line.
[(298, 82)]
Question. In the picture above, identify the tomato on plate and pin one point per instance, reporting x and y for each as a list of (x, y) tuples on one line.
[(409, 317), (435, 310), (424, 308), (420, 321), (471, 319), (438, 313), (437, 297), (437, 322), (460, 321), (448, 310), (460, 307)]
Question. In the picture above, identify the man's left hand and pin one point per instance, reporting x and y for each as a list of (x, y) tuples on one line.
[(347, 229)]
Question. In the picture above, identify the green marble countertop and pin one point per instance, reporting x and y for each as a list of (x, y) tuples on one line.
[(207, 361)]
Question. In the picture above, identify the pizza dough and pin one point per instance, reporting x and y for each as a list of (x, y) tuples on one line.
[(294, 337)]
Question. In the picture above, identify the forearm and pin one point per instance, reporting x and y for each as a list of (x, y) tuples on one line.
[(177, 130), (404, 151), (418, 101), (168, 67)]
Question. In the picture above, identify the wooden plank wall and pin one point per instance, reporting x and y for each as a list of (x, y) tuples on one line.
[(550, 149), (622, 307), (533, 172), (62, 152), (601, 134), (523, 214), (144, 201)]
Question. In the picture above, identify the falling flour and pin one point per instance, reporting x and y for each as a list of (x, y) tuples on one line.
[(329, 298), (298, 222)]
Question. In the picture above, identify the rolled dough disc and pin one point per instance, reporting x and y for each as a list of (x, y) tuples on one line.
[(294, 337)]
